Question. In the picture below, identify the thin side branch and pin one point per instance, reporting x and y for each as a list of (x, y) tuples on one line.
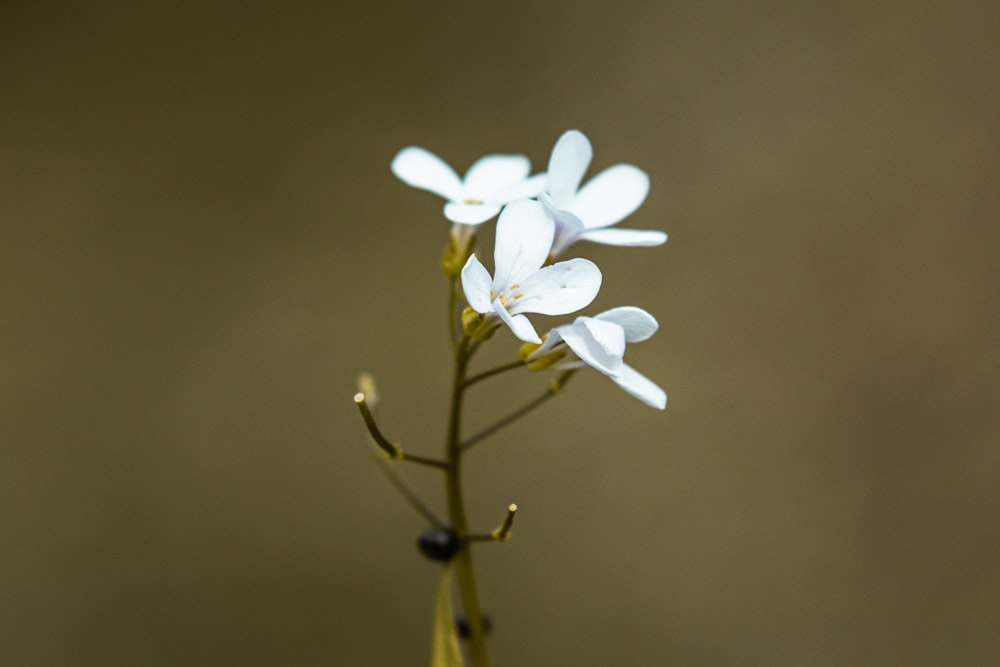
[(493, 371), (554, 388)]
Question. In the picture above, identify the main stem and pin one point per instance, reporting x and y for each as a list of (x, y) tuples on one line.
[(462, 561)]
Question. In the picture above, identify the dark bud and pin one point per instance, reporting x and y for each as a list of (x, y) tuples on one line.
[(438, 543), (462, 625)]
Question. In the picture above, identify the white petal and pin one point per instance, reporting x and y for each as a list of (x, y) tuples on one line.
[(611, 195), (526, 189), (476, 284), (601, 344), (470, 214), (518, 324), (558, 289), (637, 323), (569, 363), (524, 237), (552, 338), (569, 160), (420, 168), (493, 173), (568, 226), (625, 237), (641, 387)]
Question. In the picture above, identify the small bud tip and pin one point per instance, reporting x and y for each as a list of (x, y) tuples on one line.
[(359, 397), (512, 507)]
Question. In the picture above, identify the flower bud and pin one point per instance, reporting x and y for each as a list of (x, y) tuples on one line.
[(478, 325), (460, 243), (540, 363)]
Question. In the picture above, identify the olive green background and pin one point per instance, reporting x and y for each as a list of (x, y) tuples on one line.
[(201, 246)]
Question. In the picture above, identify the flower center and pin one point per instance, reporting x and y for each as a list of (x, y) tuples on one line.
[(508, 296), (474, 202)]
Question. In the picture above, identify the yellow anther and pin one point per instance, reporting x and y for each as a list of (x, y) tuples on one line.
[(474, 202)]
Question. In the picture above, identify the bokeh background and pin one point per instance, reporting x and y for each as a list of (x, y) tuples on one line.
[(201, 246)]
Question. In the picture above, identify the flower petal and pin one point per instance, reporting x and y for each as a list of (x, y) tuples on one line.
[(610, 196), (559, 289), (493, 173), (420, 168), (568, 226), (641, 387), (524, 237), (625, 237), (569, 160), (470, 214), (601, 344), (519, 324), (526, 189), (637, 323), (476, 284), (552, 338)]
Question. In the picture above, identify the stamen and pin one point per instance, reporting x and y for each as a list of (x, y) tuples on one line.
[(474, 202)]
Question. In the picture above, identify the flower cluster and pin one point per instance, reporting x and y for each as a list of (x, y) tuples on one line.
[(540, 217)]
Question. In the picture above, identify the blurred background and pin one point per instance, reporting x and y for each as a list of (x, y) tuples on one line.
[(202, 245)]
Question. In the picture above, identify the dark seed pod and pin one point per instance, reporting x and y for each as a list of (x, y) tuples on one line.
[(438, 543), (462, 625)]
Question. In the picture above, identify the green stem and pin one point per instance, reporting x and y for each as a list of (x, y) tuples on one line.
[(452, 295), (456, 510)]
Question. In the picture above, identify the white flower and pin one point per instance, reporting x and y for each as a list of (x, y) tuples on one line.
[(520, 284), (490, 182), (587, 213), (599, 341)]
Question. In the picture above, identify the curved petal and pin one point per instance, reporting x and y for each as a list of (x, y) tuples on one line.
[(470, 214), (519, 324), (611, 196), (569, 160), (559, 289), (526, 189), (476, 284), (524, 237), (625, 237), (641, 387), (552, 338), (568, 364), (493, 173), (637, 323), (568, 226), (601, 344), (420, 168)]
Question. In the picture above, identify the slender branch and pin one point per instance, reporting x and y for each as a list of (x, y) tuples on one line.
[(554, 388), (393, 450), (380, 440), (501, 533), (411, 496), (422, 460), (490, 373)]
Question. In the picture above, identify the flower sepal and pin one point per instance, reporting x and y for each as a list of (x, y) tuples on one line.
[(478, 325), (545, 360)]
